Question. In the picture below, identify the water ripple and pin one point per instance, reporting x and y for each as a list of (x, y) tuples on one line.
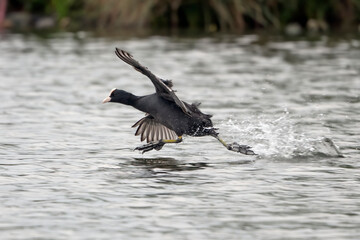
[(68, 169)]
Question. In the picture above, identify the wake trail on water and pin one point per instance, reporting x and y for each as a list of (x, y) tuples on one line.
[(278, 137)]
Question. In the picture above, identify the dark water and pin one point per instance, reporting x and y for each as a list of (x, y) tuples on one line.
[(68, 169)]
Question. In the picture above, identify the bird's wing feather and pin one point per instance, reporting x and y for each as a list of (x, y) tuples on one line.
[(163, 87), (152, 130)]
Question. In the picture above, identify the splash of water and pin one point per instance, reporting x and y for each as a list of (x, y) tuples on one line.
[(278, 137)]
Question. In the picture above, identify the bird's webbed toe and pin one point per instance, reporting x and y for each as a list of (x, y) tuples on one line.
[(150, 146), (244, 149)]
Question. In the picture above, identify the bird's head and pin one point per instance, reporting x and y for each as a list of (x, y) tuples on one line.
[(119, 96)]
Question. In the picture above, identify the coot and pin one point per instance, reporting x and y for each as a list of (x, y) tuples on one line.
[(167, 118)]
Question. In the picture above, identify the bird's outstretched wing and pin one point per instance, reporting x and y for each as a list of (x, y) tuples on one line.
[(163, 87), (152, 130)]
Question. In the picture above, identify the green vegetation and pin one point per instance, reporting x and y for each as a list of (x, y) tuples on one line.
[(197, 15)]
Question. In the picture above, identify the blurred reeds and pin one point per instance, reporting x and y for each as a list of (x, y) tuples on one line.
[(200, 15)]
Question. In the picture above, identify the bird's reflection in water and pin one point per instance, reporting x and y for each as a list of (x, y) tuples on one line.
[(166, 163)]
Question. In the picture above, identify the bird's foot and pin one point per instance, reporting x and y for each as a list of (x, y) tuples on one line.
[(244, 149), (150, 146)]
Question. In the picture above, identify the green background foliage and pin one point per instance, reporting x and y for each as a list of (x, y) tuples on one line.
[(203, 15)]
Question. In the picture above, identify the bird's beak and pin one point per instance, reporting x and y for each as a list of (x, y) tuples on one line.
[(108, 99)]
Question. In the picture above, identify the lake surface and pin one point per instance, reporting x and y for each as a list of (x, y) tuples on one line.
[(68, 169)]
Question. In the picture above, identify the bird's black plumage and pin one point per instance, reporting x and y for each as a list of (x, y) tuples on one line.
[(163, 108), (167, 117)]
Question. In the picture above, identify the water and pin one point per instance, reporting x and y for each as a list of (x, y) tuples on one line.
[(68, 169)]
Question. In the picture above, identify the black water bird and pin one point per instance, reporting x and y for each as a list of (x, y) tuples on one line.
[(167, 117)]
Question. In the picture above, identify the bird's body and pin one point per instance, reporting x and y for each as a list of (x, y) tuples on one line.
[(167, 117), (171, 116)]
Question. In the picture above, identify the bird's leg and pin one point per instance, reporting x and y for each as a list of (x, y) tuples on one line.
[(244, 149), (157, 145)]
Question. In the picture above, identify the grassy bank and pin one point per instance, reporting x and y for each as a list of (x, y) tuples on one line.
[(197, 15)]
